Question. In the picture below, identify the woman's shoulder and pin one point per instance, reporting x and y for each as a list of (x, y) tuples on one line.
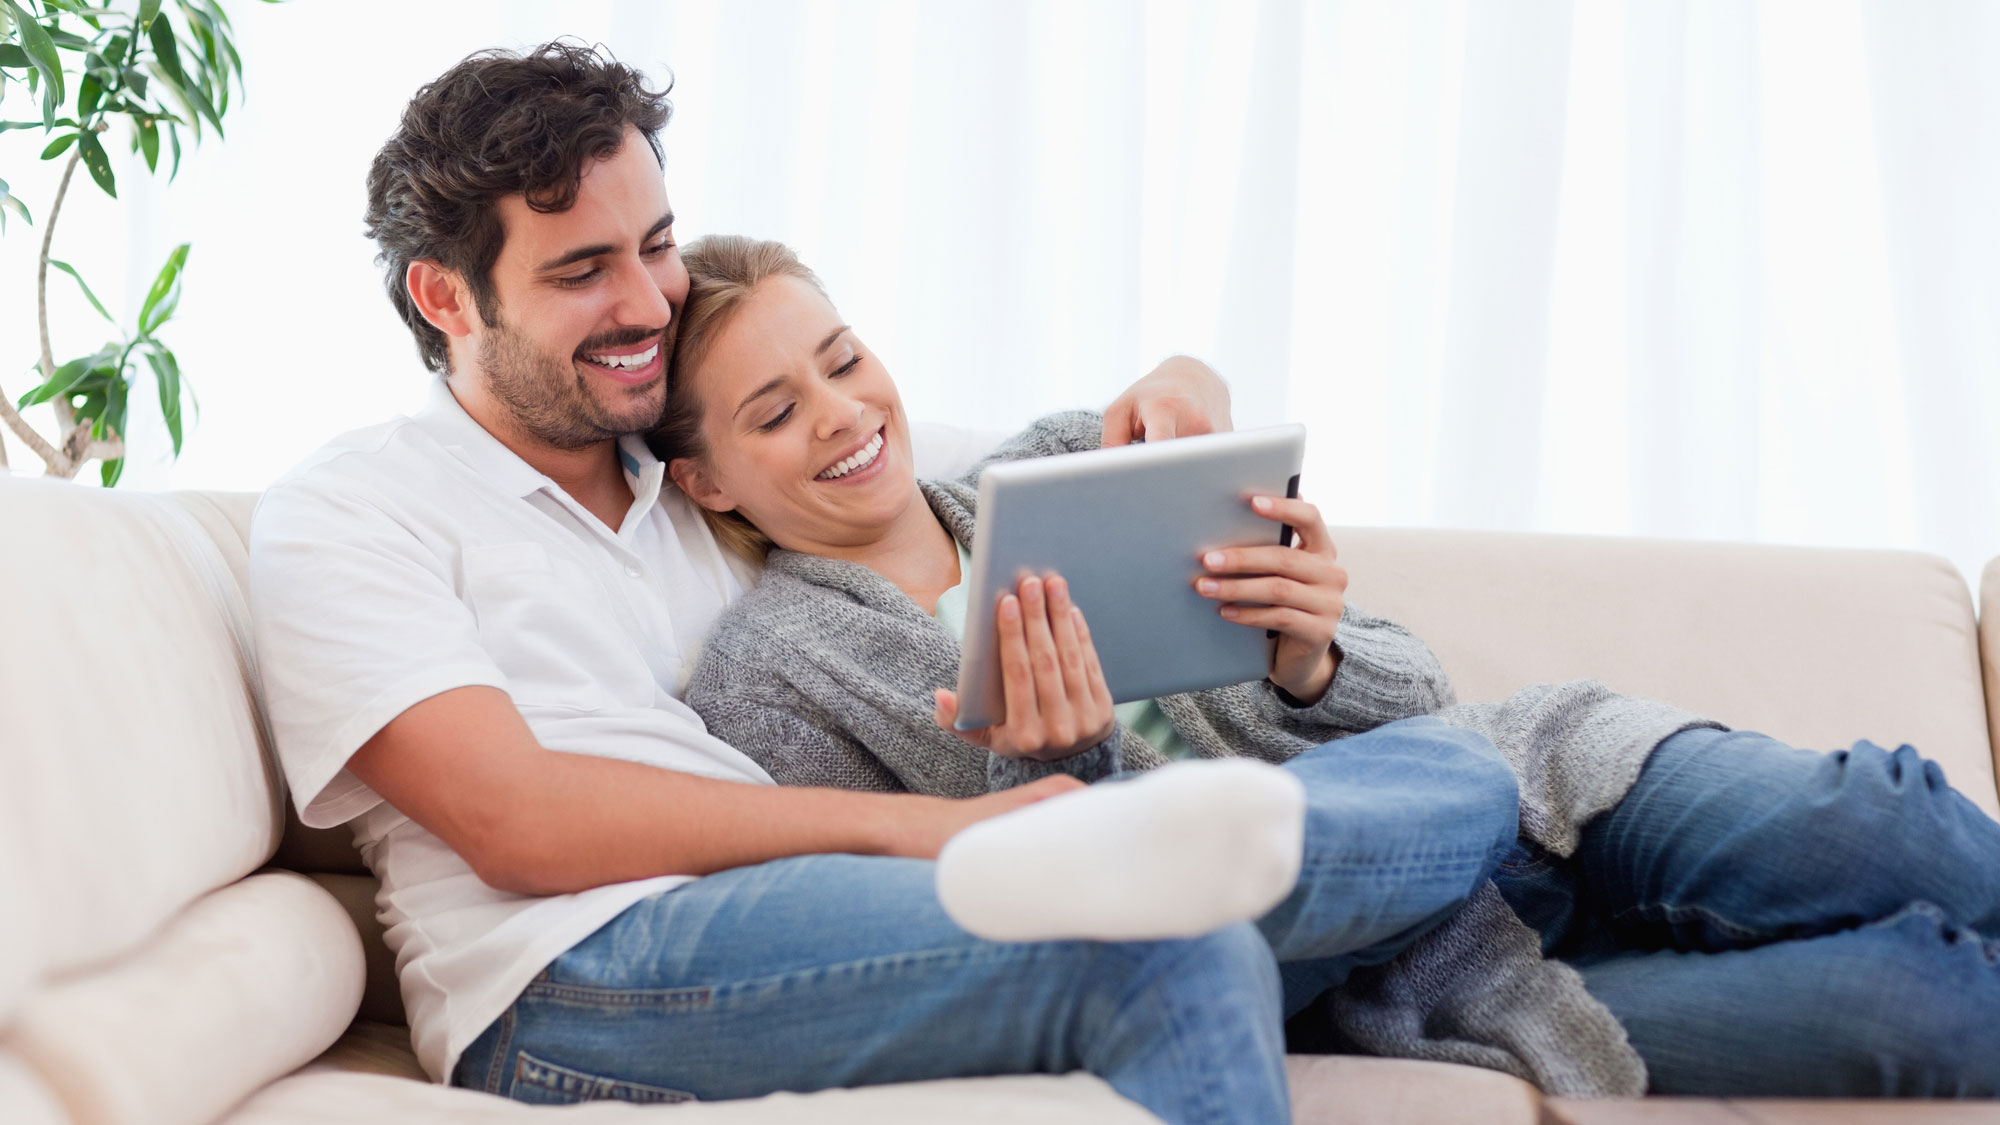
[(769, 612)]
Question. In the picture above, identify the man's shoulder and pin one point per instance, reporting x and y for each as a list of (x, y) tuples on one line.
[(370, 452)]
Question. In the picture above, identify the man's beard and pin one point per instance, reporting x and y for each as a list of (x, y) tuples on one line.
[(551, 400)]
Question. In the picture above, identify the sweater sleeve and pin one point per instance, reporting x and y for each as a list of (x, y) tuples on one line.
[(780, 729), (1385, 674), (1071, 431), (1094, 764)]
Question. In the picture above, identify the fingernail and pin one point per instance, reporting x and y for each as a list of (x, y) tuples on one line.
[(1229, 611), (1206, 585), (1213, 558), (1010, 606), (1261, 503)]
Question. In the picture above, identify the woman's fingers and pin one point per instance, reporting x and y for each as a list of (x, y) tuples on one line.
[(1303, 518), (1017, 677), (1093, 670), (1051, 694)]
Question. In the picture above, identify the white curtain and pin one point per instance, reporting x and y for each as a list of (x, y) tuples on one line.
[(1695, 268)]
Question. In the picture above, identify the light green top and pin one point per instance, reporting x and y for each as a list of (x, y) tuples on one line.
[(1142, 717)]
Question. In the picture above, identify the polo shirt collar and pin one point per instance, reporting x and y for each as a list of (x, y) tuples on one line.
[(470, 442)]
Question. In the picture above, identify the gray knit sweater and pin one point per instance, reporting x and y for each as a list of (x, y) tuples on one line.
[(824, 675)]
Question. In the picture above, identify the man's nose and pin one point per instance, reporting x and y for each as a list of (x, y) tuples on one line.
[(639, 300)]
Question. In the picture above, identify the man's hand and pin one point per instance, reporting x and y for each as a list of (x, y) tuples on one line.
[(925, 823), (1179, 398)]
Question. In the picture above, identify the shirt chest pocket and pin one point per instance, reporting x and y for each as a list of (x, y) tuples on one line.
[(551, 629)]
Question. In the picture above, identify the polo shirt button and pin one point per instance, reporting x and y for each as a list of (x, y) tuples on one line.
[(631, 571)]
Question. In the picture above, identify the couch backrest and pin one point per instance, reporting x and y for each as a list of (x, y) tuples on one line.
[(145, 973), (1816, 647)]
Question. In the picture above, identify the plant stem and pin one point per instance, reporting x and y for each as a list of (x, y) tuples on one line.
[(59, 462)]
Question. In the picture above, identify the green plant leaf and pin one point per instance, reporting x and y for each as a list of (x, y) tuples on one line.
[(59, 146), (11, 202), (165, 294), (88, 93), (62, 382), (166, 49), (167, 373), (112, 420), (110, 471), (94, 158), (87, 294), (149, 143), (147, 10), (41, 50), (13, 56)]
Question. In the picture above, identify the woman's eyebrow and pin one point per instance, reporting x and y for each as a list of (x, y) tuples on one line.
[(760, 392), (830, 338)]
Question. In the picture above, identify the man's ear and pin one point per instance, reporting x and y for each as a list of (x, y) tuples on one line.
[(442, 296), (694, 480)]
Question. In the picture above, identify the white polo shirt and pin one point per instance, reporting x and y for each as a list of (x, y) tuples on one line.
[(421, 555)]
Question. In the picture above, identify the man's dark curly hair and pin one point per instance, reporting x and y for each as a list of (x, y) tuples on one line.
[(496, 124)]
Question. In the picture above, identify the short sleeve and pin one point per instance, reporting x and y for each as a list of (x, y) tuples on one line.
[(357, 618)]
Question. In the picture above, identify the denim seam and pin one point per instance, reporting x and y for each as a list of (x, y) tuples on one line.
[(707, 997), (496, 1065), (1210, 1093)]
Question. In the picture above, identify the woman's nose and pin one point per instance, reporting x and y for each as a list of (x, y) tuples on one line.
[(839, 413)]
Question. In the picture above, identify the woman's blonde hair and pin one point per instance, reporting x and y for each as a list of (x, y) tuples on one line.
[(723, 270)]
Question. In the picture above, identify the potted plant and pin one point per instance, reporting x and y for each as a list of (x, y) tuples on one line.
[(157, 70)]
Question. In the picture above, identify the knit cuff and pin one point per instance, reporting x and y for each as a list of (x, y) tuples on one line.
[(1384, 674), (1094, 764)]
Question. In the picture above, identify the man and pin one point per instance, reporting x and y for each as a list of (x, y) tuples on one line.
[(474, 624)]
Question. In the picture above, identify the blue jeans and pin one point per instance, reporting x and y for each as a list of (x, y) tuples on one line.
[(836, 970), (1766, 920)]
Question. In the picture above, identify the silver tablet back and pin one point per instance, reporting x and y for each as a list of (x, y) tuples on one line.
[(1126, 527)]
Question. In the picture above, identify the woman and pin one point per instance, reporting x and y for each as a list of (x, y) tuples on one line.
[(1725, 915)]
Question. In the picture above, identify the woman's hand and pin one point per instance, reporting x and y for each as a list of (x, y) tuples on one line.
[(1056, 701), (1300, 591), (1181, 397)]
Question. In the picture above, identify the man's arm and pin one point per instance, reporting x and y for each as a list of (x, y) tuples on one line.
[(1181, 397), (465, 766)]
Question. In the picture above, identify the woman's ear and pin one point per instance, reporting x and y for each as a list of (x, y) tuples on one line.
[(441, 296), (692, 479)]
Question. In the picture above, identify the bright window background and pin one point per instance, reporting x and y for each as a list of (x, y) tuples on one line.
[(1689, 269)]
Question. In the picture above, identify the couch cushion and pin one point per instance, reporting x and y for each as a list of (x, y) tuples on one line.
[(240, 988), (1075, 1099), (1358, 1090), (24, 1098), (1815, 647), (382, 999), (136, 776)]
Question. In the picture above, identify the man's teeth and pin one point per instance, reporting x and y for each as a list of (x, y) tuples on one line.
[(865, 455), (626, 362)]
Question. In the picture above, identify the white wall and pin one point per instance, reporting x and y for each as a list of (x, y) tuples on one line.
[(1686, 269)]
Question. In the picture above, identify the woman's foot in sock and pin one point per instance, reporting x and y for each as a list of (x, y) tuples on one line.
[(1176, 852)]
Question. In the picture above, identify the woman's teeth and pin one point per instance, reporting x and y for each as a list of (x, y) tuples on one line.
[(865, 455), (626, 362)]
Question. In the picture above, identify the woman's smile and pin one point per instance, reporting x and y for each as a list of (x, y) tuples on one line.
[(864, 463)]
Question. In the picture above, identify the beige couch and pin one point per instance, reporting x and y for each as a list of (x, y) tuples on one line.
[(160, 961)]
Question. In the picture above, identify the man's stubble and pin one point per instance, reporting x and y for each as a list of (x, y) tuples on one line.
[(552, 402)]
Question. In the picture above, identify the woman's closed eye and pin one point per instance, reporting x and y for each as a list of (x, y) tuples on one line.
[(774, 423), (844, 368)]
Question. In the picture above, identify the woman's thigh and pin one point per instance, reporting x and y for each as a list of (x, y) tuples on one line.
[(826, 971), (1900, 1007), (1732, 839)]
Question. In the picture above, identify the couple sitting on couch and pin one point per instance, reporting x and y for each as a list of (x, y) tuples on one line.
[(481, 629)]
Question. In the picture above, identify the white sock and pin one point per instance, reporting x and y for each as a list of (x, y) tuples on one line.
[(1177, 852)]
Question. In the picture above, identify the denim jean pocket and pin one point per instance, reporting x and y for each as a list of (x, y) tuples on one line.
[(539, 1082)]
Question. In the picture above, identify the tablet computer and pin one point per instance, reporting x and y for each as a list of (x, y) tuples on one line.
[(1126, 528)]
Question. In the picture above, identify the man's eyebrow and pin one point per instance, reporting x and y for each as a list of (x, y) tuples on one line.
[(583, 252)]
